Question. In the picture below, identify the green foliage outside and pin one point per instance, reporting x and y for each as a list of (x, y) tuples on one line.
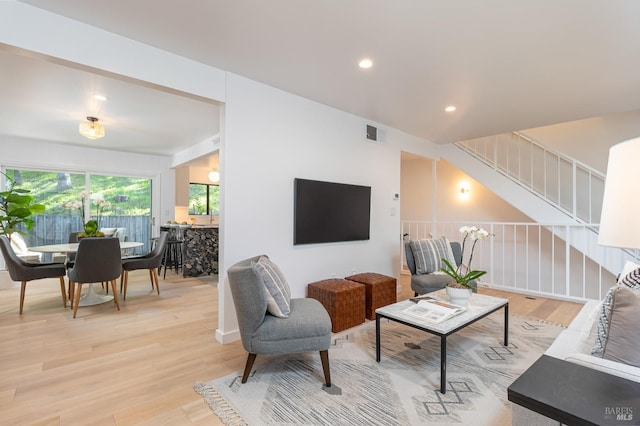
[(128, 196), (198, 199)]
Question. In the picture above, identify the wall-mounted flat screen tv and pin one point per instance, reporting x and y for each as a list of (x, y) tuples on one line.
[(326, 212)]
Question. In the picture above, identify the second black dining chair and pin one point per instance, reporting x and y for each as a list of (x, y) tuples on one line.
[(97, 260), (150, 261)]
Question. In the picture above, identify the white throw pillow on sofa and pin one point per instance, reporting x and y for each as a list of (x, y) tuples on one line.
[(618, 334)]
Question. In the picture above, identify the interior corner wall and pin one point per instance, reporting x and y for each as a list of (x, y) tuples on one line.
[(416, 193), (272, 137)]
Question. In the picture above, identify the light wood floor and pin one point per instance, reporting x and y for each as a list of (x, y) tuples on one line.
[(136, 366)]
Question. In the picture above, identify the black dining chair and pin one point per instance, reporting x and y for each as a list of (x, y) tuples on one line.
[(97, 261), (151, 261), (24, 272)]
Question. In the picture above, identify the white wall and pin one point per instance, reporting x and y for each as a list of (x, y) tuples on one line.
[(589, 140), (417, 194), (272, 137), (481, 205)]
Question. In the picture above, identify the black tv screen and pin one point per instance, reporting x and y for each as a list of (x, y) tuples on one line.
[(326, 212)]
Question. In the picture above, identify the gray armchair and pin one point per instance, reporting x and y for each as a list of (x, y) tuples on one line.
[(308, 327), (97, 260), (24, 272), (426, 283)]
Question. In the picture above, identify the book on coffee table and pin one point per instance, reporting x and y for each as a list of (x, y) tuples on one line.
[(433, 310)]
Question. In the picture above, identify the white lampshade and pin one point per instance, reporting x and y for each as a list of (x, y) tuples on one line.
[(620, 219), (91, 128), (214, 176)]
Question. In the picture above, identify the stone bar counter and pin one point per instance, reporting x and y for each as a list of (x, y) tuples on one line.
[(200, 251)]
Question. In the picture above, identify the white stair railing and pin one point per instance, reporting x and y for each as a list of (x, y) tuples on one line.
[(533, 258), (567, 184)]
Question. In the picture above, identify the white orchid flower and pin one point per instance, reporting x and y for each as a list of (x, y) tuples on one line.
[(482, 234), (468, 229)]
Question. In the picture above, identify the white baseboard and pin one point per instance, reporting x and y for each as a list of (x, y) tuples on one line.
[(229, 337)]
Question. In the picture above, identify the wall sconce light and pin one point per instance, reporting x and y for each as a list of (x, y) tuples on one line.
[(464, 191), (214, 176)]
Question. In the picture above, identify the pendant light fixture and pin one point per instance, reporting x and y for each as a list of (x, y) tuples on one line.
[(91, 128)]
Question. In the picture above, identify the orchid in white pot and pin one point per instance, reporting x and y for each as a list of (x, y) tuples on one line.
[(461, 275)]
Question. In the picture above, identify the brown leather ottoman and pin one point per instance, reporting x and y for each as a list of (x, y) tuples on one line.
[(380, 291), (344, 300)]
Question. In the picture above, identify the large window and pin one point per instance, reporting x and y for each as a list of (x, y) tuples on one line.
[(204, 199), (71, 199)]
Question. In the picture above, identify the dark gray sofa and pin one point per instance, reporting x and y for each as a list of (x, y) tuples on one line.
[(426, 283)]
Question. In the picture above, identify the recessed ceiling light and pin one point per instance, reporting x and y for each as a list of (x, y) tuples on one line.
[(365, 63), (450, 108), (100, 97)]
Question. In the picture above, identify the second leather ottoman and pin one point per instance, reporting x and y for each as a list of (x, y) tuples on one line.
[(380, 290)]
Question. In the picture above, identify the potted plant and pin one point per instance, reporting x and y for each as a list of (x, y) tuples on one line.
[(16, 208), (90, 230), (460, 290)]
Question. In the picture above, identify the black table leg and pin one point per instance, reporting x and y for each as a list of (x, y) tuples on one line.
[(443, 364), (377, 337), (506, 324)]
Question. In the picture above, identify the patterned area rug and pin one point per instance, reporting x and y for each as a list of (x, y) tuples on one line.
[(403, 389)]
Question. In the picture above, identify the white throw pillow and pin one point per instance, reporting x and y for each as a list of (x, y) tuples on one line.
[(276, 288), (629, 266), (617, 336)]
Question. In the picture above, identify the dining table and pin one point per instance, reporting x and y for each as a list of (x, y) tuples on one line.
[(91, 297)]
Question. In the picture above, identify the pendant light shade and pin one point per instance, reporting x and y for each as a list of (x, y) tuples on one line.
[(91, 128), (620, 204)]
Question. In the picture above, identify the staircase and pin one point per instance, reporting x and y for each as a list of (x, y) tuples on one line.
[(547, 186)]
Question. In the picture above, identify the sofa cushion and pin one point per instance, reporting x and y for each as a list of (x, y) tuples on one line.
[(275, 285), (428, 254), (618, 335)]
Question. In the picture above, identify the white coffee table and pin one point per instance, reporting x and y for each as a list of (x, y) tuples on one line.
[(480, 306)]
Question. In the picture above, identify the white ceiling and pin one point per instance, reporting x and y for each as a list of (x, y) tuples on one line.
[(506, 64)]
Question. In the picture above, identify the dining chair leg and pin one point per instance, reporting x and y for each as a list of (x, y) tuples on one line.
[(155, 278), (151, 278), (64, 293), (23, 287), (122, 274), (71, 292), (125, 280), (78, 291), (115, 293)]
